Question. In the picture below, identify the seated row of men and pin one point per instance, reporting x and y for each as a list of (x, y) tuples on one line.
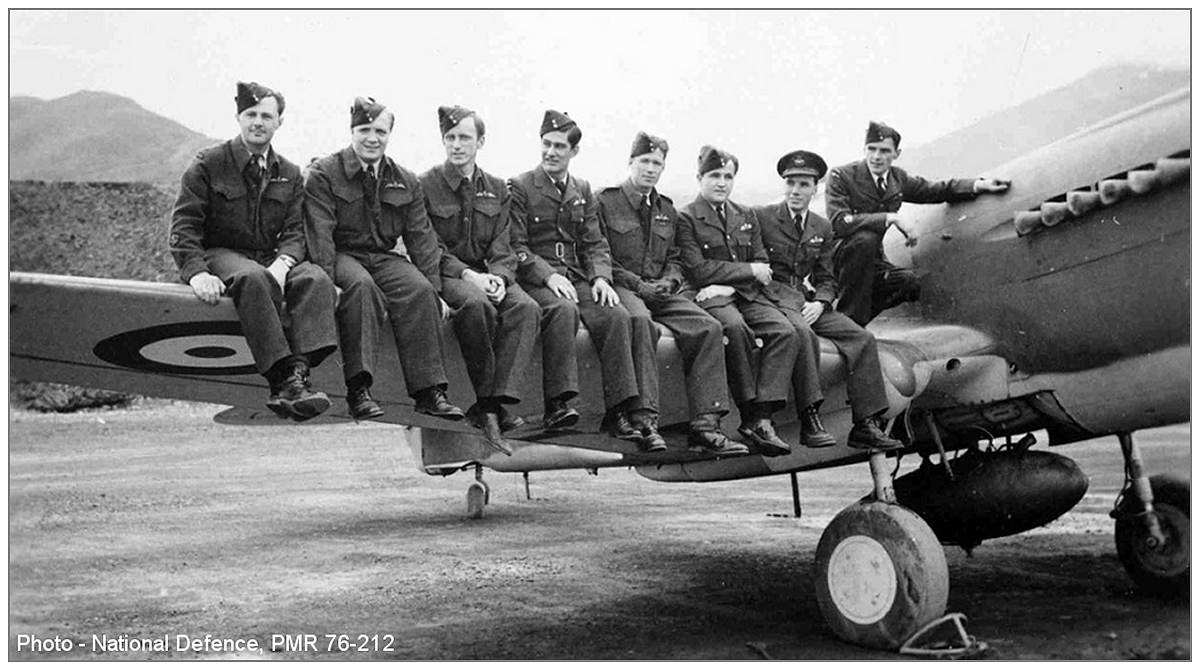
[(359, 243)]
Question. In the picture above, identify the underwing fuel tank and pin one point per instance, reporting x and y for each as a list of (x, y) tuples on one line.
[(991, 494)]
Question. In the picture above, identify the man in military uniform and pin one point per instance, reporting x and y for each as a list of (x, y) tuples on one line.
[(238, 228), (495, 320), (720, 243), (862, 199), (800, 245), (640, 225), (564, 264), (367, 228)]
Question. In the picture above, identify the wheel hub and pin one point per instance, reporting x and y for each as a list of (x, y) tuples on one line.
[(862, 579), (1171, 557)]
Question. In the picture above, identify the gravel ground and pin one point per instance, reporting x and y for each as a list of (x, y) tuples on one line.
[(156, 523)]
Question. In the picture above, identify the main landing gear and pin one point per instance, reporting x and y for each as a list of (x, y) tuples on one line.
[(1153, 527), (881, 573)]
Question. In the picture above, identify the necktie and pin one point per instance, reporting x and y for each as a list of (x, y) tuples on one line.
[(644, 211), (721, 215), (561, 185), (879, 183), (258, 170), (371, 191)]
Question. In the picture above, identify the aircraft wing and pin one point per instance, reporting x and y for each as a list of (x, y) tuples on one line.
[(158, 340)]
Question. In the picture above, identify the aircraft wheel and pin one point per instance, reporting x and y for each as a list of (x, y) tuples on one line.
[(1166, 570), (477, 495), (880, 575)]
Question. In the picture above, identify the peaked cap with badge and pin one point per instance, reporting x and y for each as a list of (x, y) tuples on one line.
[(801, 162)]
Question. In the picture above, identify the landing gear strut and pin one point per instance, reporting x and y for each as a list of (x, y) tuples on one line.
[(881, 573), (1153, 529)]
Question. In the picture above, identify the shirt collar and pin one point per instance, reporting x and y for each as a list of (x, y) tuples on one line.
[(635, 196), (241, 154), (455, 179), (792, 215), (566, 179)]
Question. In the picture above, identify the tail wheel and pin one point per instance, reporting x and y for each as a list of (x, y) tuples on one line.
[(1160, 570), (477, 499), (880, 575)]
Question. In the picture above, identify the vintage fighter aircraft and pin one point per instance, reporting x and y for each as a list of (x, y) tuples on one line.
[(1061, 305)]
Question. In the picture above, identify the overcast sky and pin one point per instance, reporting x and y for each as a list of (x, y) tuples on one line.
[(757, 83)]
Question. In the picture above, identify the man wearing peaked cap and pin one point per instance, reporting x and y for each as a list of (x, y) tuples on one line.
[(368, 229), (640, 224), (496, 322), (238, 229), (563, 262), (800, 245), (720, 243), (862, 200)]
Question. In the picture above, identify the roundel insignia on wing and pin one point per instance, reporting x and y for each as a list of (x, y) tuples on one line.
[(191, 348)]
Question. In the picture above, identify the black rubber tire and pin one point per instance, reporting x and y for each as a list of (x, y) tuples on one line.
[(881, 617), (1164, 573)]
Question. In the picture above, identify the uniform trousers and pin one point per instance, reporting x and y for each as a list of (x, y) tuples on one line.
[(260, 305), (700, 341), (868, 283), (864, 381), (611, 333), (743, 321), (382, 288), (496, 339)]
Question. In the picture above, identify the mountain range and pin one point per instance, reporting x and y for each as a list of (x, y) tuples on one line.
[(102, 137), (96, 136)]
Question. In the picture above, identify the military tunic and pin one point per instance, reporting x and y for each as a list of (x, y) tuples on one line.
[(353, 236), (642, 239), (869, 283), (720, 253), (559, 232), (802, 250), (471, 218), (225, 223)]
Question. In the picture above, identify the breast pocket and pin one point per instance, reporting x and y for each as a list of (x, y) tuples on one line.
[(446, 218), (662, 234), (743, 245), (394, 203), (231, 207), (273, 209)]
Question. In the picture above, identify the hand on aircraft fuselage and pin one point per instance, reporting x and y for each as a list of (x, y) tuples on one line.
[(207, 287), (910, 236), (604, 294), (991, 185), (562, 287), (713, 291)]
